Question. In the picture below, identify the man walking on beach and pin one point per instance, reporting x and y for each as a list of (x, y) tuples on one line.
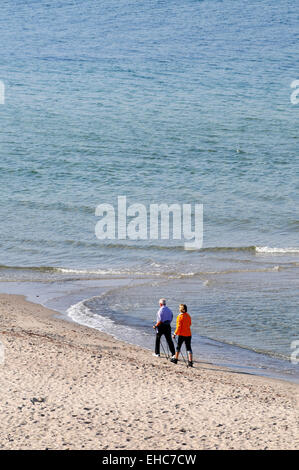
[(162, 327)]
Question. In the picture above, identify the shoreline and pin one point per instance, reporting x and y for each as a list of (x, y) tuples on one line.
[(55, 296), (68, 386)]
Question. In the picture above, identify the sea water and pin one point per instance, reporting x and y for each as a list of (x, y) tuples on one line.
[(177, 102)]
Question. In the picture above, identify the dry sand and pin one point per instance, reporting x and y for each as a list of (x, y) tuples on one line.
[(65, 386)]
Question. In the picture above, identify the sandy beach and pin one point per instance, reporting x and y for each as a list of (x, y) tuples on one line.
[(65, 386)]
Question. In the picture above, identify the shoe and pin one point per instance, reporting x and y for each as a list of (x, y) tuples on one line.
[(190, 364), (174, 360), (156, 355)]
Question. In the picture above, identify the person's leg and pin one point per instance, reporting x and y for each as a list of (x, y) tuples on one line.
[(179, 345), (189, 349), (157, 344), (169, 339)]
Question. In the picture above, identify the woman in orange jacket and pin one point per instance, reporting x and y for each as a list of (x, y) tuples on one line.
[(183, 323)]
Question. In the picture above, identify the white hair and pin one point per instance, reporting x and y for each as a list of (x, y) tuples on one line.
[(162, 301)]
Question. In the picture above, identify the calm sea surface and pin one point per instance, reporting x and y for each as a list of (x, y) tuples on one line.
[(164, 102)]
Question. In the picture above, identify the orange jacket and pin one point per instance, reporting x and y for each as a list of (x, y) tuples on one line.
[(183, 323)]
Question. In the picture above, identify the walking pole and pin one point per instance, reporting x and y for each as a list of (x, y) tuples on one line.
[(185, 360), (187, 356), (168, 351), (181, 353), (163, 348)]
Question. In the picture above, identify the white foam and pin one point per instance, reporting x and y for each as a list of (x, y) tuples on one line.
[(81, 314), (268, 249), (106, 272), (88, 271)]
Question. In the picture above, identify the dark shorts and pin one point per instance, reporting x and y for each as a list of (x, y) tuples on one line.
[(186, 340)]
